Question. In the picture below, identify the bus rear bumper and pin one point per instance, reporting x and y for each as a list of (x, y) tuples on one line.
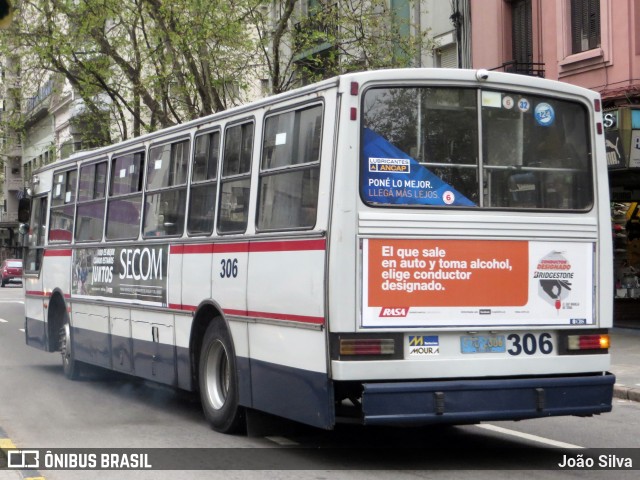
[(471, 401)]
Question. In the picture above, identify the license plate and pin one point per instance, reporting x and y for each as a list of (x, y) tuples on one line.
[(483, 344)]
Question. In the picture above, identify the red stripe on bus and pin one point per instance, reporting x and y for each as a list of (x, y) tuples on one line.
[(37, 293), (57, 253), (287, 317), (179, 306), (197, 248), (210, 248), (269, 315), (231, 247), (288, 245), (254, 246)]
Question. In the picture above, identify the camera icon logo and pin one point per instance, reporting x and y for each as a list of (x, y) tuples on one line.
[(23, 459)]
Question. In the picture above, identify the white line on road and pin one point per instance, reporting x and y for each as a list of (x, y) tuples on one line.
[(527, 436), (2, 320), (12, 301), (21, 329), (282, 441)]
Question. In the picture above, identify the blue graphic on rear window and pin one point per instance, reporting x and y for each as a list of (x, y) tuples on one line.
[(544, 114), (391, 176)]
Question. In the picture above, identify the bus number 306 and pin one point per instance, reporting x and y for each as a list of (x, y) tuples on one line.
[(529, 344), (229, 268)]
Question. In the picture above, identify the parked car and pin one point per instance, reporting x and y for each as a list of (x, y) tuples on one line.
[(11, 271)]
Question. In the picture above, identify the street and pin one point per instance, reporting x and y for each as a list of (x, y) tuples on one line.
[(39, 408)]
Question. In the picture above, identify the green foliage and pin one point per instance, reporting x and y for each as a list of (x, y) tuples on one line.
[(148, 64), (308, 41)]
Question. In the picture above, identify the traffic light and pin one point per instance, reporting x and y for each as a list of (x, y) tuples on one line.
[(6, 13)]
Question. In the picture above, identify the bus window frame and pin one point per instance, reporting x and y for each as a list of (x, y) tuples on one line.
[(42, 245), (274, 171), (248, 175), (480, 166), (147, 192), (103, 199), (203, 183), (114, 156), (71, 204)]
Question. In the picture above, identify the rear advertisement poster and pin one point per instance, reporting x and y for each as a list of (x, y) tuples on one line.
[(476, 283), (134, 273)]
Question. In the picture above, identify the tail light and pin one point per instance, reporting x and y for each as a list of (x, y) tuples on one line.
[(367, 346), (588, 342)]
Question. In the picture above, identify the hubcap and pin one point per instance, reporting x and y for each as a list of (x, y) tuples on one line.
[(66, 341), (217, 375)]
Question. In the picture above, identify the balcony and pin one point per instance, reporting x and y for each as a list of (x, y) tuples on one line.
[(37, 107), (531, 69)]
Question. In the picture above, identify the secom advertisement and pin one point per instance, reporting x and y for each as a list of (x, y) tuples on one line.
[(133, 273), (476, 283)]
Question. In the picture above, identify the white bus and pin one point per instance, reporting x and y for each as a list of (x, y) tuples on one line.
[(401, 247)]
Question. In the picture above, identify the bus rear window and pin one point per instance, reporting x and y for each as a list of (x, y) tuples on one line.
[(440, 146)]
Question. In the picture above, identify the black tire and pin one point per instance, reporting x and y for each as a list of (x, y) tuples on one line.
[(70, 366), (218, 380), (3, 284)]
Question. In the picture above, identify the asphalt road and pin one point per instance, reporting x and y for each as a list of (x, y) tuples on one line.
[(39, 408)]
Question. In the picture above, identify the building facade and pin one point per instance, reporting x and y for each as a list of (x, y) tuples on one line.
[(593, 44)]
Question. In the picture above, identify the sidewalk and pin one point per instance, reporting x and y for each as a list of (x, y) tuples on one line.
[(625, 362)]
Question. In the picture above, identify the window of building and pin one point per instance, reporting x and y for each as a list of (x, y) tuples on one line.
[(521, 33), (446, 56), (585, 25)]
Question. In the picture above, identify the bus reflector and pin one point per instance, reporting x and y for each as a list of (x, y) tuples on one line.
[(588, 342), (367, 346)]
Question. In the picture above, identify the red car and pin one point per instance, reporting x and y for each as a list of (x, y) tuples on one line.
[(11, 271)]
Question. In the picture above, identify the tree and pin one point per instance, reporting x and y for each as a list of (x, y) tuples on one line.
[(149, 63), (305, 41)]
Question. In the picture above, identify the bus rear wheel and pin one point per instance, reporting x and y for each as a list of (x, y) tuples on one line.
[(218, 380), (70, 366)]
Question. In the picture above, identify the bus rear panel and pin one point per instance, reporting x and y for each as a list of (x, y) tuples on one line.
[(481, 248)]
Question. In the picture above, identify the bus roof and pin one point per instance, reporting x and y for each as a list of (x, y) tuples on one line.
[(452, 76)]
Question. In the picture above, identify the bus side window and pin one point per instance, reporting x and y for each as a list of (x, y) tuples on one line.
[(36, 235), (290, 170), (125, 200), (63, 201), (202, 197), (236, 179), (91, 202), (166, 189)]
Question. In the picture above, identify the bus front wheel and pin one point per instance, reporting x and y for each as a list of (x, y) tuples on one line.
[(70, 366), (218, 379)]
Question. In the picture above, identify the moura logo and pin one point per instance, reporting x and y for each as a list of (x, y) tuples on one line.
[(393, 312)]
